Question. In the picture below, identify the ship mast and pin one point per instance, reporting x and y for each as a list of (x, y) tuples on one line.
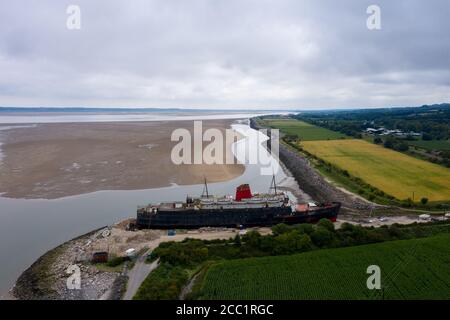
[(273, 184), (205, 190)]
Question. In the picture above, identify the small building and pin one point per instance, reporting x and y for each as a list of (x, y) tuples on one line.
[(374, 131), (425, 217), (100, 257)]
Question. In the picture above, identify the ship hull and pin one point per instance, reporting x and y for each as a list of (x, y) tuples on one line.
[(194, 219)]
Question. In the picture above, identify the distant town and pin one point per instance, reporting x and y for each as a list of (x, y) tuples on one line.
[(381, 131)]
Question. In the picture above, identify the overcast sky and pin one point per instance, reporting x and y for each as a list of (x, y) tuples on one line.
[(224, 54)]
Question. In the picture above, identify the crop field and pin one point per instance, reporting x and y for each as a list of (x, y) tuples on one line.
[(305, 131), (410, 269), (432, 144), (395, 173)]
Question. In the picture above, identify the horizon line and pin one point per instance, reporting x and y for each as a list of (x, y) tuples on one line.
[(292, 109)]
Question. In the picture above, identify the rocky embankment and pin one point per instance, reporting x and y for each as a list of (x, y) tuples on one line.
[(47, 277), (314, 184)]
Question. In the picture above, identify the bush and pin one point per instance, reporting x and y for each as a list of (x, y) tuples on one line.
[(305, 228), (291, 242), (163, 283), (237, 240), (402, 147), (322, 237), (377, 140), (407, 203), (115, 261), (252, 238), (388, 144), (327, 224), (280, 229), (424, 201), (185, 253), (395, 232)]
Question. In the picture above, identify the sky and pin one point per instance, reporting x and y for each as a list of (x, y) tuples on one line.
[(243, 54)]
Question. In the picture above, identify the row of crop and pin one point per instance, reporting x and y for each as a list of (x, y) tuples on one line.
[(410, 269)]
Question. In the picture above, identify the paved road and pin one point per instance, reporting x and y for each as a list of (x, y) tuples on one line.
[(137, 275)]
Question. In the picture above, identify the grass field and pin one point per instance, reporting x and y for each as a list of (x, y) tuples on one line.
[(395, 173), (431, 145), (305, 131), (410, 269)]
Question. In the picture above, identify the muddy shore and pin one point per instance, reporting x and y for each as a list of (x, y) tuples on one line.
[(62, 159)]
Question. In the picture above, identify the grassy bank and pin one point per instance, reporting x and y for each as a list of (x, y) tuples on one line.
[(304, 131)]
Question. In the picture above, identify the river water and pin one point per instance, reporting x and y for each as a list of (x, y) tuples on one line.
[(68, 117), (29, 228)]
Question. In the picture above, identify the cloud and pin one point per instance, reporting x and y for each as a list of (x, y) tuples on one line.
[(224, 54)]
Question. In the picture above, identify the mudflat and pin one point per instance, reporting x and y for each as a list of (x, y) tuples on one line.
[(56, 160)]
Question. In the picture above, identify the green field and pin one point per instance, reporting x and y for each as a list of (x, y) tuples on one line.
[(431, 145), (305, 131), (393, 172), (410, 269)]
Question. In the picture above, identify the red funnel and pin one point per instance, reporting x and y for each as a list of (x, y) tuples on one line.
[(243, 192)]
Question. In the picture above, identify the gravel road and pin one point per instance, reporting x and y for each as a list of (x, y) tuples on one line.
[(137, 275)]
